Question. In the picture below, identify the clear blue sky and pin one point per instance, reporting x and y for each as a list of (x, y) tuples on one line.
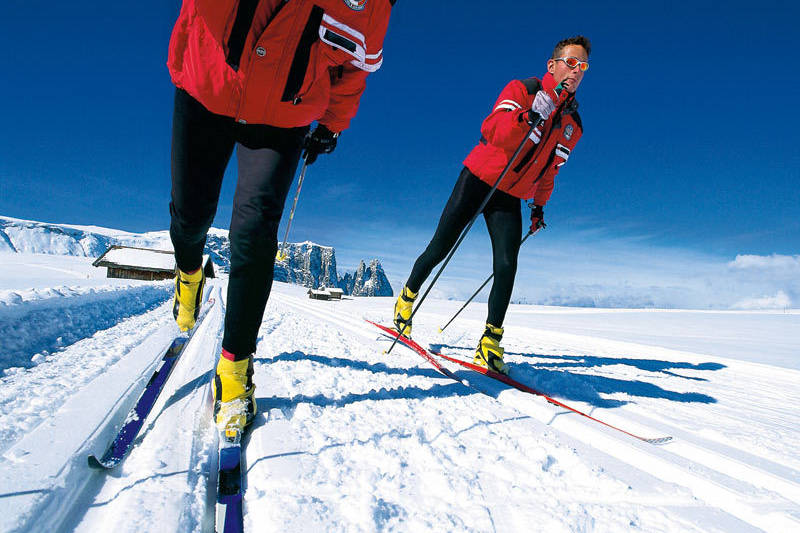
[(690, 113)]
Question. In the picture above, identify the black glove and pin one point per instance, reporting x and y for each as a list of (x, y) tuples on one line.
[(320, 141), (537, 218)]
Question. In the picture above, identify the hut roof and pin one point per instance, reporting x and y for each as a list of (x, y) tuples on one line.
[(139, 259)]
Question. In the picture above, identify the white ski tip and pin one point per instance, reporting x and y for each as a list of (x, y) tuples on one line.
[(659, 440)]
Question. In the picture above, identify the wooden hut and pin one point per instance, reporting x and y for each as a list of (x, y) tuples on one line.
[(317, 294), (336, 293), (128, 262), (325, 294)]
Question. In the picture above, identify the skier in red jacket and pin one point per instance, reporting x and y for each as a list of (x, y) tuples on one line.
[(531, 176), (254, 75)]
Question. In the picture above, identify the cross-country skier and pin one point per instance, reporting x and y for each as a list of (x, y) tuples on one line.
[(254, 75), (531, 176)]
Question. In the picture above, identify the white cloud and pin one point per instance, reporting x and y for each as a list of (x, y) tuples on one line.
[(585, 268), (767, 262), (779, 301), (570, 269)]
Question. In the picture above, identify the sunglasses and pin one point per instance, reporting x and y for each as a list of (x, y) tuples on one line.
[(573, 62)]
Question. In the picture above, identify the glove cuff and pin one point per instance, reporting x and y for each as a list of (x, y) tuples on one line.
[(322, 131)]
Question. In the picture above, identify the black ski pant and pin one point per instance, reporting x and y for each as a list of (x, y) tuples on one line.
[(504, 221), (202, 145)]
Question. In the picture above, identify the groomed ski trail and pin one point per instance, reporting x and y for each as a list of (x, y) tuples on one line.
[(58, 492), (718, 479), (349, 439), (166, 481)]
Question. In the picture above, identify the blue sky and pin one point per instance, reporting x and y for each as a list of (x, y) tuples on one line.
[(689, 153)]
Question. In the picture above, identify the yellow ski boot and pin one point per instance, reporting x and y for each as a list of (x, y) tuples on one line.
[(402, 311), (188, 296), (234, 404), (489, 353)]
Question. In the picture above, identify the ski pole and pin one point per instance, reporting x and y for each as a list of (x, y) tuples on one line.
[(441, 329), (281, 256), (475, 216)]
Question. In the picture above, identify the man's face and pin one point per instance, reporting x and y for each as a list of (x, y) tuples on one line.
[(569, 77)]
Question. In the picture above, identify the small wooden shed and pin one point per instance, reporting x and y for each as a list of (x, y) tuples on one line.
[(128, 262), (316, 294), (336, 293), (325, 294)]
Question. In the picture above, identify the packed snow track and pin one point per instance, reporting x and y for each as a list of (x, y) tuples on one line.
[(350, 439)]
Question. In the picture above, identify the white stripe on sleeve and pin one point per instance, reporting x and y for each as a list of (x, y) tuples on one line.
[(512, 102)]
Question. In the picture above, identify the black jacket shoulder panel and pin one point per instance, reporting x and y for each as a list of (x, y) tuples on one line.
[(577, 118), (533, 85), (571, 109)]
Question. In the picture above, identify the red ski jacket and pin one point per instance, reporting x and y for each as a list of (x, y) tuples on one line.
[(533, 173), (284, 63)]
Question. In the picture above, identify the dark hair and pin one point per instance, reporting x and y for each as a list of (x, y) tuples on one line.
[(578, 39)]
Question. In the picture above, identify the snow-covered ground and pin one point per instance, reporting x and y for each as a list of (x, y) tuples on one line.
[(351, 439)]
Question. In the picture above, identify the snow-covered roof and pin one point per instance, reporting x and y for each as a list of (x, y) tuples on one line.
[(319, 292), (139, 258), (118, 256)]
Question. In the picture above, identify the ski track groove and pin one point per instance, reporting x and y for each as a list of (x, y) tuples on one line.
[(777, 477), (60, 374), (709, 475), (692, 455), (109, 490), (70, 486), (199, 508)]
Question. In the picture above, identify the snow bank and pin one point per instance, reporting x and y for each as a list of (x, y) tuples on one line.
[(37, 322)]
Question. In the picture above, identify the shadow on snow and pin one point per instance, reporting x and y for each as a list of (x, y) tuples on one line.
[(451, 389), (551, 377)]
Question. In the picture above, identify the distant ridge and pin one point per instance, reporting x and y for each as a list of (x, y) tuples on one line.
[(309, 264)]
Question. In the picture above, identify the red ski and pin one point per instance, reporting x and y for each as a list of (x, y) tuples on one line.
[(420, 350), (431, 358)]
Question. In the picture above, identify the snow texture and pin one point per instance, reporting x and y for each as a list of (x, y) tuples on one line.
[(351, 439)]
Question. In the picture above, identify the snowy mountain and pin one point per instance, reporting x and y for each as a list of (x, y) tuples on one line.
[(308, 264), (351, 439), (313, 266), (367, 281)]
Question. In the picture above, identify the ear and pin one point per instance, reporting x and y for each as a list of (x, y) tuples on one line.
[(551, 66)]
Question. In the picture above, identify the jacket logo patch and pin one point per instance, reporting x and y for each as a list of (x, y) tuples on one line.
[(356, 5), (568, 132)]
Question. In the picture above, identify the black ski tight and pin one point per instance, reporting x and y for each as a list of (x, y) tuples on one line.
[(504, 221), (202, 145)]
